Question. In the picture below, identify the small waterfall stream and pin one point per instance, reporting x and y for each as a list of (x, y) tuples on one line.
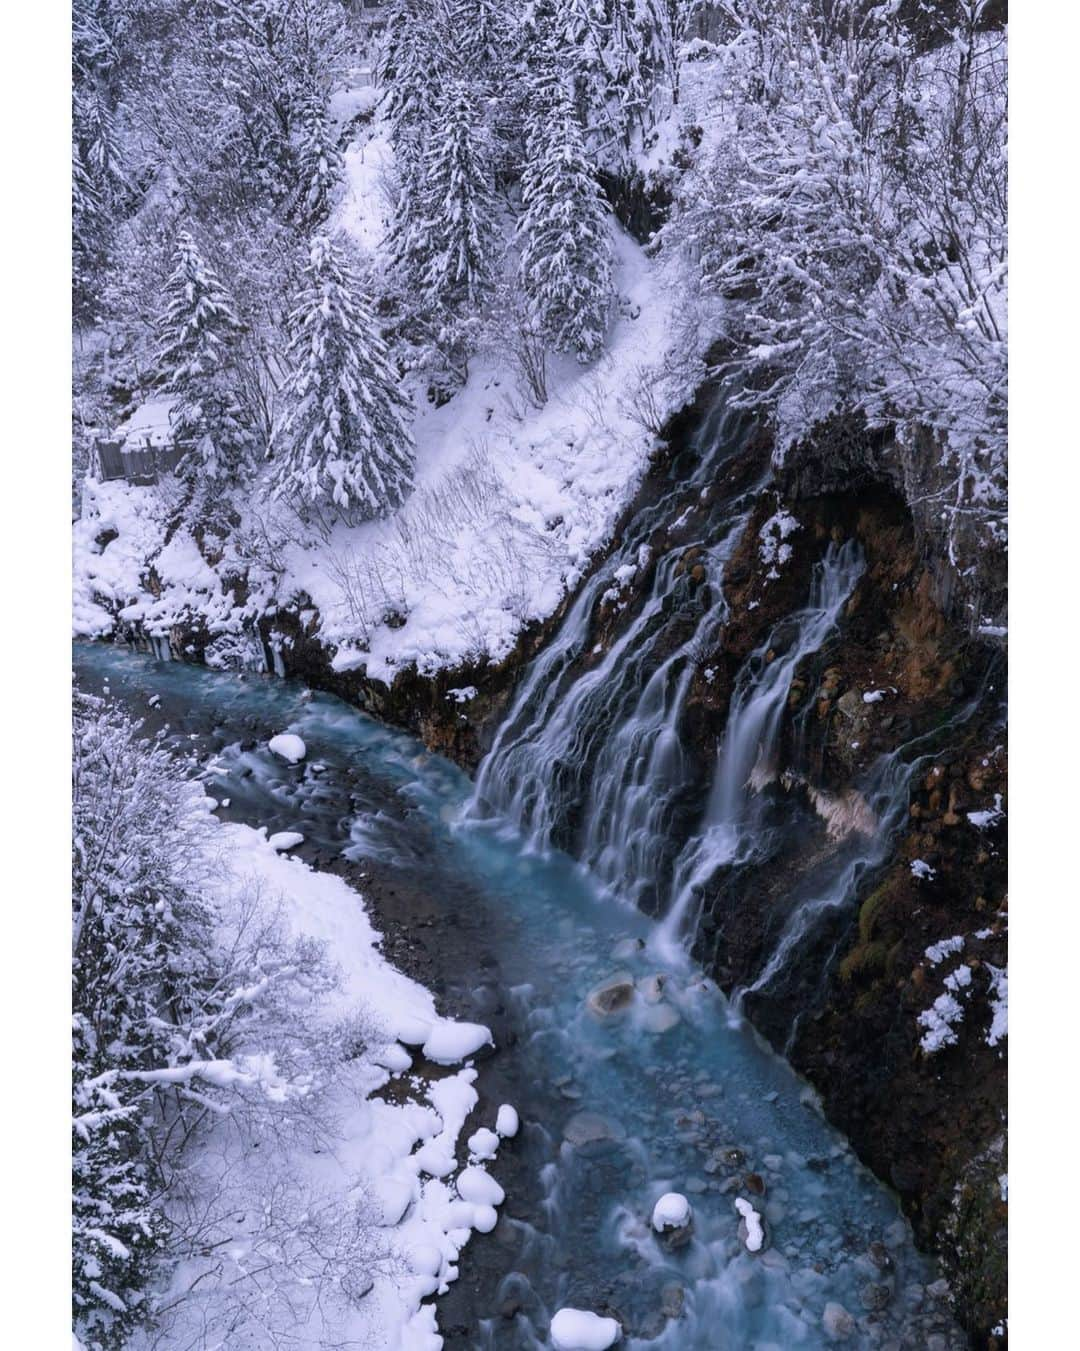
[(746, 762)]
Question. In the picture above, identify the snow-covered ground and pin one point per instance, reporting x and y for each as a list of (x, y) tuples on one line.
[(511, 500), (400, 1166)]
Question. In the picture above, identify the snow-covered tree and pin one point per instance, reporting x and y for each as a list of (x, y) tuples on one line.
[(185, 1011), (345, 443), (566, 255), (459, 218), (318, 162), (89, 227), (197, 357)]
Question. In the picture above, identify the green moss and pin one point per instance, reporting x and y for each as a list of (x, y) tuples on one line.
[(865, 960)]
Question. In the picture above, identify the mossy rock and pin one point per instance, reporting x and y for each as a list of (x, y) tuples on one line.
[(864, 961)]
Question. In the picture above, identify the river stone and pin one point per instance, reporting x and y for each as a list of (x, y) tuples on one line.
[(614, 996), (661, 1018), (938, 1289), (874, 1296), (896, 1235), (837, 1322), (651, 988), (589, 1128), (672, 1299)]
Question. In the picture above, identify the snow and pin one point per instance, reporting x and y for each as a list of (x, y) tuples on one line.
[(149, 425), (448, 1043), (373, 1150), (289, 746), (672, 1211), (922, 870), (986, 819), (511, 501), (999, 1004), (937, 952), (774, 549), (479, 1188), (755, 1232), (507, 1122), (579, 1330), (939, 1021), (483, 1144), (285, 839)]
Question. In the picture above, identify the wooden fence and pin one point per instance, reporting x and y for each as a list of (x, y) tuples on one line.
[(138, 464)]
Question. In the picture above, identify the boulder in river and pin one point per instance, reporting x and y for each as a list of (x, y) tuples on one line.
[(589, 1128), (614, 996), (837, 1322)]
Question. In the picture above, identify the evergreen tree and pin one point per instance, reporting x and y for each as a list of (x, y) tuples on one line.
[(412, 70), (459, 223), (565, 245), (89, 228), (141, 945), (345, 442), (198, 360), (319, 164)]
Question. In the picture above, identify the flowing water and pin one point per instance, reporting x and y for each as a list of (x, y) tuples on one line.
[(668, 1094)]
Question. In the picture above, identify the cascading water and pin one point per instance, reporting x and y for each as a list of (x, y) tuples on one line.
[(590, 756), (746, 761)]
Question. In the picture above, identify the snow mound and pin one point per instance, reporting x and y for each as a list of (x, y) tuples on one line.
[(578, 1330), (449, 1043), (479, 1188), (672, 1211), (289, 746), (483, 1144), (285, 839), (755, 1233), (507, 1122)]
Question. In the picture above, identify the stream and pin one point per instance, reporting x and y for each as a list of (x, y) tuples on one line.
[(673, 1093)]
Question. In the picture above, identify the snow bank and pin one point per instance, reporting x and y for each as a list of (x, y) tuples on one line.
[(401, 1156), (578, 1330), (672, 1211), (449, 1043), (289, 746)]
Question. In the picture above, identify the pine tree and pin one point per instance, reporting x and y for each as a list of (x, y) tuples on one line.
[(566, 261), (198, 360), (458, 228), (412, 71), (345, 442), (319, 164), (89, 227), (141, 945)]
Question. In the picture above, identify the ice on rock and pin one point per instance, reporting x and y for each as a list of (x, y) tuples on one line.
[(579, 1330), (289, 746), (448, 1043), (672, 1211), (483, 1144), (507, 1122), (285, 839), (479, 1188)]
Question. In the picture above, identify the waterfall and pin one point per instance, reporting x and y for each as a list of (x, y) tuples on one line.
[(746, 758), (589, 756)]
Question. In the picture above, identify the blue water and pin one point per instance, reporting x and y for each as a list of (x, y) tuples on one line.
[(694, 1108)]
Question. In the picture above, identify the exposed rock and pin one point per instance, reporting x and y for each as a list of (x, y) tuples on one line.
[(614, 996), (837, 1323)]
